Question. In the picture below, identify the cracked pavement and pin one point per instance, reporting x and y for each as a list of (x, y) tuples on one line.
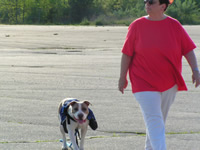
[(41, 65)]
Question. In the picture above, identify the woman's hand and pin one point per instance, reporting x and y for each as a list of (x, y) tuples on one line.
[(123, 82), (196, 78), (191, 58)]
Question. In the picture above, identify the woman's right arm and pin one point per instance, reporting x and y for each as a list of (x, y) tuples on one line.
[(125, 62)]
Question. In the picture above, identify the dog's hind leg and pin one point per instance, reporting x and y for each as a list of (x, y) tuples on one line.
[(64, 147)]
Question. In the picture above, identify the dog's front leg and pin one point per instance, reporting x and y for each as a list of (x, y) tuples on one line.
[(73, 139), (83, 134), (64, 147)]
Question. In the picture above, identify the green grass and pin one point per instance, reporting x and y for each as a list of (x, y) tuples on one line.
[(114, 135)]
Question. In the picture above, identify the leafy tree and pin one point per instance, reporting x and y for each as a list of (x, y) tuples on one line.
[(79, 9), (58, 12), (74, 11), (10, 10), (187, 11)]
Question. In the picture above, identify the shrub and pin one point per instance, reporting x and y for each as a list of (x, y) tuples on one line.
[(187, 12)]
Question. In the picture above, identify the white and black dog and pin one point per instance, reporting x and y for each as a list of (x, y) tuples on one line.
[(75, 115)]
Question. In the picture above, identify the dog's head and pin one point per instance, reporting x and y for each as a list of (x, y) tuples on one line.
[(80, 111)]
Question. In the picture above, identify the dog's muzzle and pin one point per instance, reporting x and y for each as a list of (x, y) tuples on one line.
[(80, 121)]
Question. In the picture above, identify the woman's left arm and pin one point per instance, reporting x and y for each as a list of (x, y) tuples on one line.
[(191, 58)]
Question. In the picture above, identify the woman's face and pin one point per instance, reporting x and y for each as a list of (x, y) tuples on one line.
[(153, 7)]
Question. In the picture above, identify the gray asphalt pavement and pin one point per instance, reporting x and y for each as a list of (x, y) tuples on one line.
[(41, 65)]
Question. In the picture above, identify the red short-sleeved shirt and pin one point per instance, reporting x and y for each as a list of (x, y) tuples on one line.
[(157, 48)]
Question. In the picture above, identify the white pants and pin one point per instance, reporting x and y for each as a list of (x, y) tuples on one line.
[(155, 107)]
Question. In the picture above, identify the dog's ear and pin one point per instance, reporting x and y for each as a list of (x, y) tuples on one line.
[(72, 103), (87, 103)]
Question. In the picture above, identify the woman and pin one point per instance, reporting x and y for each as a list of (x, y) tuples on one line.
[(152, 54)]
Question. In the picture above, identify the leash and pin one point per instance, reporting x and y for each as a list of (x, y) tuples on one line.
[(77, 134)]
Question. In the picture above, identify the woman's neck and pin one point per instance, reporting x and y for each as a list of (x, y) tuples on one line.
[(156, 17)]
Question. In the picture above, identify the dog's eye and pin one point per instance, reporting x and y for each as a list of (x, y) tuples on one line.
[(84, 109), (75, 109)]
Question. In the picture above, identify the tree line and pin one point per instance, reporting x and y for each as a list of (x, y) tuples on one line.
[(86, 12)]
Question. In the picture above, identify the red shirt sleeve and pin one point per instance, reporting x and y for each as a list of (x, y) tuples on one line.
[(129, 44), (187, 44)]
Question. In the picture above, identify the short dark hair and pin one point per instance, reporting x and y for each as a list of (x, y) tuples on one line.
[(164, 2)]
